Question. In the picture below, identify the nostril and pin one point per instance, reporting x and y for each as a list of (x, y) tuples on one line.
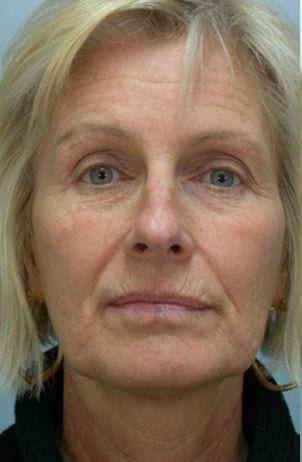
[(175, 249), (140, 247)]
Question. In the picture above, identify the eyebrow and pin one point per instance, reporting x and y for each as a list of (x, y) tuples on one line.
[(229, 136), (250, 143), (86, 127)]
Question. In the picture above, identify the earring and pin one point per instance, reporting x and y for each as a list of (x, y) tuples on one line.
[(259, 370), (262, 379), (54, 367), (49, 373), (279, 306), (33, 300)]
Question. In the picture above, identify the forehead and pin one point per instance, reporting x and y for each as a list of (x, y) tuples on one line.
[(135, 83), (158, 63)]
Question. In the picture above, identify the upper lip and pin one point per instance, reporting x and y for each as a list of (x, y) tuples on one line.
[(164, 297)]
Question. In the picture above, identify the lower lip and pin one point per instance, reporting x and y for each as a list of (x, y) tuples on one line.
[(158, 308)]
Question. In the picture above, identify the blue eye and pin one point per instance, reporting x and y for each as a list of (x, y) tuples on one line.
[(99, 176), (224, 178)]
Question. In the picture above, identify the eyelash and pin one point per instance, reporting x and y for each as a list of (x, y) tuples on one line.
[(221, 167), (99, 166)]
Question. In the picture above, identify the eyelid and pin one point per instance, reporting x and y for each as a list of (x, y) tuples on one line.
[(107, 158), (225, 165), (224, 161), (221, 161), (204, 177)]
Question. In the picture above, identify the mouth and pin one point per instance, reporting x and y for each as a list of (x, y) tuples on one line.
[(164, 303), (156, 308)]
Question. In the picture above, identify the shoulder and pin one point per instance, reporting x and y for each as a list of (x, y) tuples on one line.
[(294, 442), (267, 423), (295, 447), (8, 445)]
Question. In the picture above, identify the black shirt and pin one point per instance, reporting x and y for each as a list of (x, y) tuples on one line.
[(267, 425)]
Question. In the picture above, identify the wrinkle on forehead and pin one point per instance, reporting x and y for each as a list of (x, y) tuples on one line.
[(106, 80), (160, 63)]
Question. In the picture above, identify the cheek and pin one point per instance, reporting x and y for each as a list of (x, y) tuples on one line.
[(259, 248), (245, 252), (72, 248)]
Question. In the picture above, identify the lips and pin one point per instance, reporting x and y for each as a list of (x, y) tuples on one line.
[(158, 303), (157, 308)]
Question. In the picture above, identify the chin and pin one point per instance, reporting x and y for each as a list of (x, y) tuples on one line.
[(164, 374), (156, 364)]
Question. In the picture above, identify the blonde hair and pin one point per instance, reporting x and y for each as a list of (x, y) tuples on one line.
[(37, 68)]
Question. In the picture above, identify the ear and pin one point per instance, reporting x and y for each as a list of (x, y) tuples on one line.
[(282, 290), (33, 277)]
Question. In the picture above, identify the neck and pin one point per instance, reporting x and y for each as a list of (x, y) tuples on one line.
[(112, 425)]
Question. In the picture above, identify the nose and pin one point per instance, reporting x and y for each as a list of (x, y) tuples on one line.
[(158, 230)]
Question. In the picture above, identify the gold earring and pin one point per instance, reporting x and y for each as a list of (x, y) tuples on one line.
[(33, 299), (49, 373), (260, 372), (262, 379), (279, 306), (54, 367)]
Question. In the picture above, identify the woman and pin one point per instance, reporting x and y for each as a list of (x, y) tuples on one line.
[(150, 226)]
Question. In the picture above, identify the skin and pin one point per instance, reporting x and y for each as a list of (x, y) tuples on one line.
[(159, 387)]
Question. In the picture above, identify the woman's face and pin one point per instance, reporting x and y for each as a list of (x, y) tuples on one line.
[(135, 199)]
